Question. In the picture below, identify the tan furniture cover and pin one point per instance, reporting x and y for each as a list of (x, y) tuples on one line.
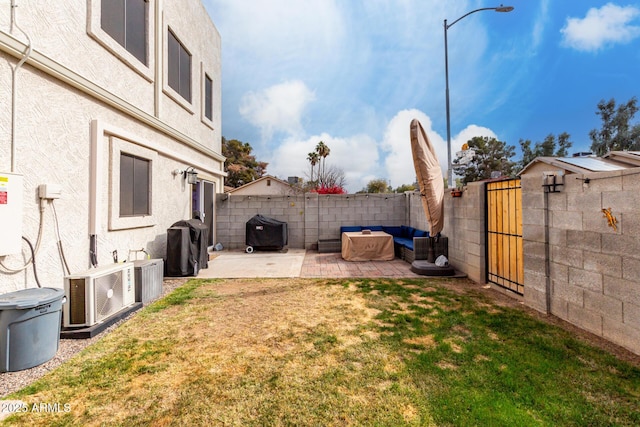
[(429, 177), (377, 246)]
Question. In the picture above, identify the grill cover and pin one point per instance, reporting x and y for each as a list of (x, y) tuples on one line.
[(187, 248), (266, 233)]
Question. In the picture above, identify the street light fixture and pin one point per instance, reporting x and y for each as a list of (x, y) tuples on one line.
[(446, 73)]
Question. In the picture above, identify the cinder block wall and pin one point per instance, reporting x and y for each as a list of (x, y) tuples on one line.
[(233, 212), (310, 216), (465, 227), (576, 265)]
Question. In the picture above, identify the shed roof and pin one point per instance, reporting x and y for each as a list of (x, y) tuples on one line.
[(616, 160), (632, 157)]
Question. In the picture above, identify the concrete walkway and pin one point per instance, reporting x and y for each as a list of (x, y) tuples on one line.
[(239, 264), (299, 263)]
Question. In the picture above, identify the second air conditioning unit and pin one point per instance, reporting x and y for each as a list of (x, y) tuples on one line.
[(97, 294)]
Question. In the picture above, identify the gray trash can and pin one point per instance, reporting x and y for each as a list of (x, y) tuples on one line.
[(30, 321)]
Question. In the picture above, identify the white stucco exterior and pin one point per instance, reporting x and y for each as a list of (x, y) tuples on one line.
[(80, 100)]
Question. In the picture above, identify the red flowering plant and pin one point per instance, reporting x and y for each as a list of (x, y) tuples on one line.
[(333, 189)]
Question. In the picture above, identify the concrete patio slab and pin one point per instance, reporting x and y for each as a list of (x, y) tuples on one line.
[(299, 263), (239, 264)]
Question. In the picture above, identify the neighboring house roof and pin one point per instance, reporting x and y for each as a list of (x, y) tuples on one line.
[(632, 157), (266, 185), (616, 160)]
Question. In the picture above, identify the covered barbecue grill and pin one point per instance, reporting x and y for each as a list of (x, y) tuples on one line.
[(187, 248), (266, 234)]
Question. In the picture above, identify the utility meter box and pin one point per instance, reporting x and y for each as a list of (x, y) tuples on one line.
[(11, 188)]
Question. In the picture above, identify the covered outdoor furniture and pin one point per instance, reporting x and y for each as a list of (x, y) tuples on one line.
[(266, 233), (409, 243), (367, 246), (187, 248)]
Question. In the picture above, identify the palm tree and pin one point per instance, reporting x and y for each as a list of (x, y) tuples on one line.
[(323, 151), (313, 158)]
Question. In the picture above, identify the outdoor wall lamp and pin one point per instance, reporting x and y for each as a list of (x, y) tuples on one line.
[(190, 174), (552, 180), (500, 8)]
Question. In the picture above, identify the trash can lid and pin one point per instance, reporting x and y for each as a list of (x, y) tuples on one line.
[(29, 298)]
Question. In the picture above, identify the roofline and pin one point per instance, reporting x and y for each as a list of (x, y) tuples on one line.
[(257, 180), (632, 156), (630, 160)]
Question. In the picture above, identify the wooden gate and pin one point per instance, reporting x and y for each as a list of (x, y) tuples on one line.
[(505, 264)]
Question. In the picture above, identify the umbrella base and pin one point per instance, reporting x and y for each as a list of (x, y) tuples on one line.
[(426, 268)]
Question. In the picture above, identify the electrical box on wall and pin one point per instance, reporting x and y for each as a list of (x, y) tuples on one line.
[(49, 191), (11, 187)]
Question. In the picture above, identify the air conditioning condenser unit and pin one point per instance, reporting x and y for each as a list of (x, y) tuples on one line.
[(97, 294)]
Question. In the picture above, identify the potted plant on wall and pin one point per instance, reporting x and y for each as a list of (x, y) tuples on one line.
[(457, 191)]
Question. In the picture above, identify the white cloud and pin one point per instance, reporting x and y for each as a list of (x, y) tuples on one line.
[(359, 156), (468, 133), (260, 25), (356, 155), (278, 108), (600, 27), (397, 143), (539, 25)]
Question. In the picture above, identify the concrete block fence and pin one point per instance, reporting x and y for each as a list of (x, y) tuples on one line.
[(577, 266), (310, 217)]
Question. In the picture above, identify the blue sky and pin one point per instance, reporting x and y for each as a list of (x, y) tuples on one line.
[(353, 73)]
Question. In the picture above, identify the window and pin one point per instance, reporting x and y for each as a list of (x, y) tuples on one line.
[(134, 186), (208, 97), (126, 22), (179, 73)]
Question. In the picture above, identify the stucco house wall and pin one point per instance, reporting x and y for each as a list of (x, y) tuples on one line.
[(80, 101)]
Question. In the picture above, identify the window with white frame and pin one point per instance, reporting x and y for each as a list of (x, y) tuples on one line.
[(126, 22), (132, 187), (179, 66), (124, 28), (208, 97)]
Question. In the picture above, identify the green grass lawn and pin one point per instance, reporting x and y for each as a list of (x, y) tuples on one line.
[(336, 352)]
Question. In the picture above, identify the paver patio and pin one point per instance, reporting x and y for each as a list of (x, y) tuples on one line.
[(331, 265)]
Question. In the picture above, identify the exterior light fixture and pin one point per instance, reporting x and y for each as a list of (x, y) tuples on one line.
[(189, 174)]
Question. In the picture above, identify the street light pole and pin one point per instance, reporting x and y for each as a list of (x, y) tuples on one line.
[(446, 74)]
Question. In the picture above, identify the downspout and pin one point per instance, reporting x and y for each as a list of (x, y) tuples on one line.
[(14, 73), (547, 260), (95, 173), (159, 58)]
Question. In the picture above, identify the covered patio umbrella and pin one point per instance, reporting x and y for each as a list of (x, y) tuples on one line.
[(429, 176)]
